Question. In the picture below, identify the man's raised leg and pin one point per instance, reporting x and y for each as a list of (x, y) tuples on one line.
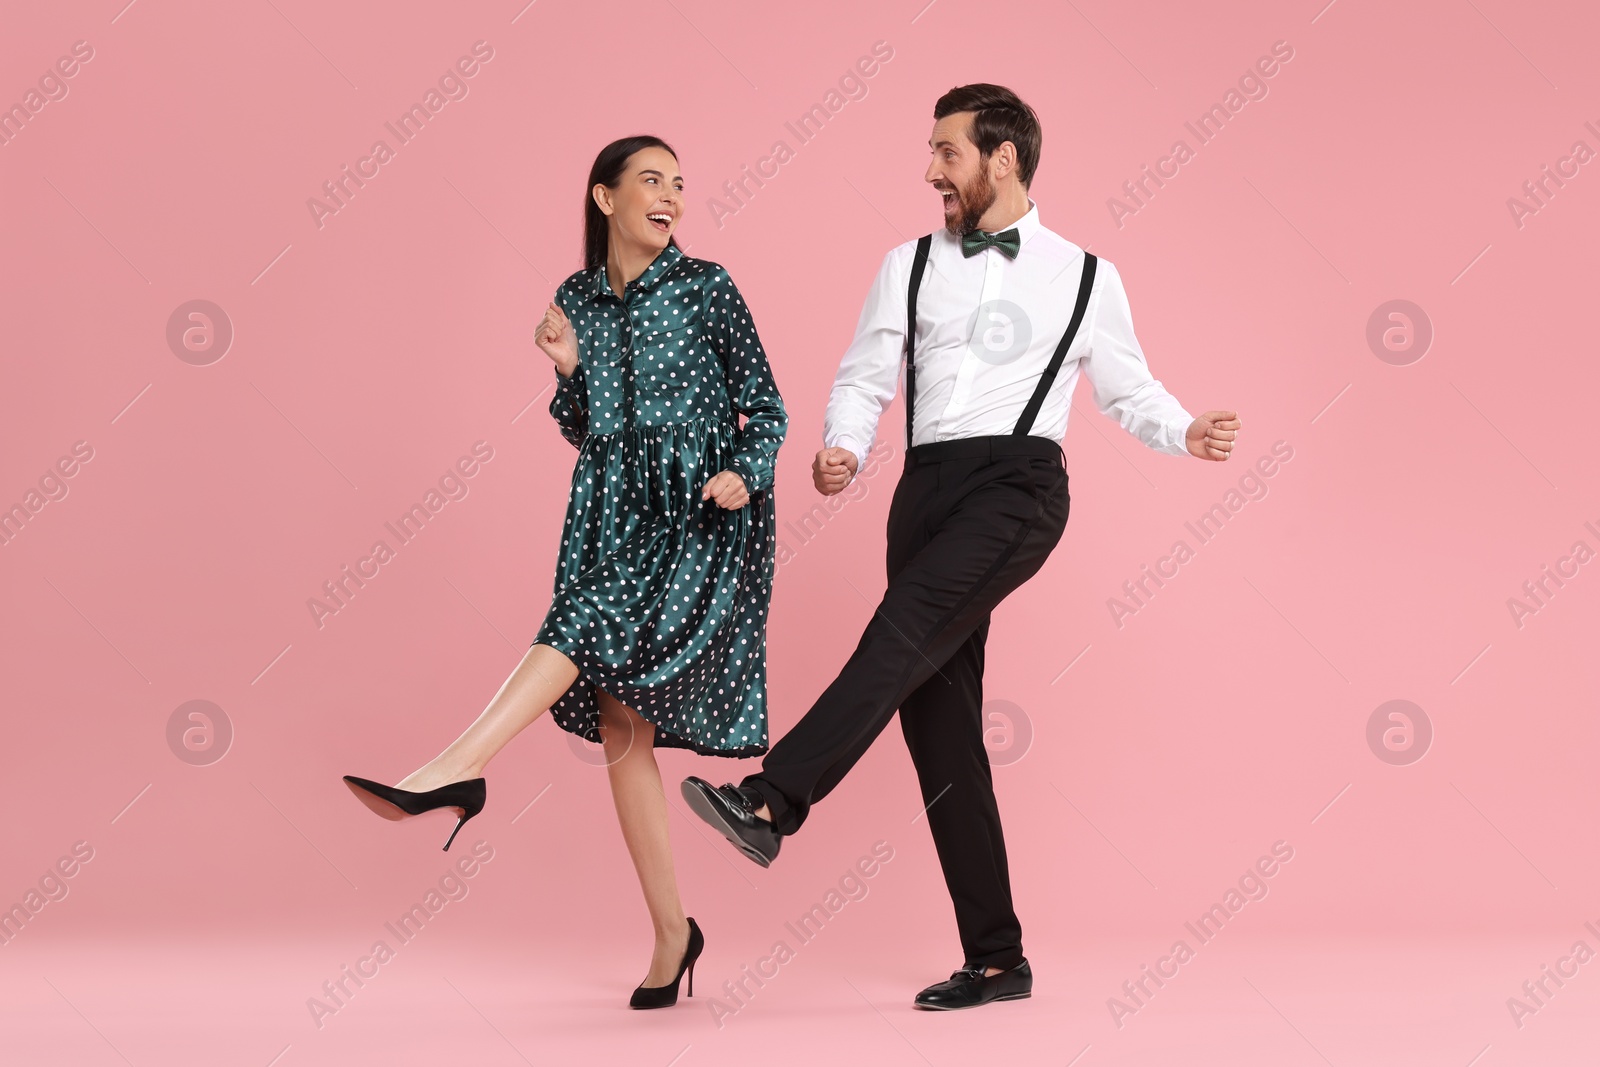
[(992, 525)]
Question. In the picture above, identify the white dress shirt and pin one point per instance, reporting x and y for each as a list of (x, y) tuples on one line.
[(975, 377)]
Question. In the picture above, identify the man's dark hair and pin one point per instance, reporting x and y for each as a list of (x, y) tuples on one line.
[(999, 116)]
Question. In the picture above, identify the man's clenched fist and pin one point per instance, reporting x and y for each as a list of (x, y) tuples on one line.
[(832, 470)]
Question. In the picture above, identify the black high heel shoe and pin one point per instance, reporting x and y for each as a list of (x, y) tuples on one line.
[(392, 803), (664, 996)]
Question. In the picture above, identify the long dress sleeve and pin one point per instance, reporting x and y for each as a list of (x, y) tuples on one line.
[(751, 389), (570, 406)]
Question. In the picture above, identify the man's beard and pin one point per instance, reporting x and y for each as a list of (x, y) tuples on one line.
[(978, 197)]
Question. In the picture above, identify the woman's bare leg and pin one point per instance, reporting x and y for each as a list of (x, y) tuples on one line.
[(538, 681), (642, 811)]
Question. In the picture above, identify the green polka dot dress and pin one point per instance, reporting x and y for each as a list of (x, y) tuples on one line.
[(660, 597)]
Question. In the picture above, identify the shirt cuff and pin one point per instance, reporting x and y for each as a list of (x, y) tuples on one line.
[(1178, 432), (855, 447)]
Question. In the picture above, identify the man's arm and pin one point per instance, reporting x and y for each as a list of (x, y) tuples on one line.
[(1120, 378), (869, 372)]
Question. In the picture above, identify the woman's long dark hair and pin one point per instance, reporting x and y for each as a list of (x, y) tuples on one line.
[(608, 169)]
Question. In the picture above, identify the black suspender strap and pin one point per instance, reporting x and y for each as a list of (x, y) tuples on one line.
[(917, 266), (1029, 413)]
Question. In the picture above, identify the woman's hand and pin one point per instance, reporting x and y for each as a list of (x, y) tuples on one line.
[(557, 339), (727, 489)]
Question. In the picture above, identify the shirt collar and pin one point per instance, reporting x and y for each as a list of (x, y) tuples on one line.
[(652, 274), (1026, 226)]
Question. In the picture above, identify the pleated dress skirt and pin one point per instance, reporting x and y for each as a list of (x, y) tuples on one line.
[(661, 598)]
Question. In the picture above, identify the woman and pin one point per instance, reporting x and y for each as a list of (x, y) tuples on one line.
[(656, 636)]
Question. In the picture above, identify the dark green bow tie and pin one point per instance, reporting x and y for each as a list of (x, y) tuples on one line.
[(1006, 241)]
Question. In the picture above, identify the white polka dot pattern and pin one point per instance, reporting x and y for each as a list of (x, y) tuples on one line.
[(661, 598)]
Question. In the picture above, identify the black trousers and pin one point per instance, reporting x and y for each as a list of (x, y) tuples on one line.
[(971, 520)]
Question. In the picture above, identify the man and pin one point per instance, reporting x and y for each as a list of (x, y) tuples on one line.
[(996, 315)]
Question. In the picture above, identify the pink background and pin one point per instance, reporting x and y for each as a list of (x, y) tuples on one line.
[(1166, 755)]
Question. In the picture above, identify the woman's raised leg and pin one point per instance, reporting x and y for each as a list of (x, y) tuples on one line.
[(538, 682), (642, 811)]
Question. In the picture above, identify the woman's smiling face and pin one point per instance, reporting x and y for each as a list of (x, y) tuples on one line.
[(648, 200)]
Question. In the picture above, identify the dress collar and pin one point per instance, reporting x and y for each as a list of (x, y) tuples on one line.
[(652, 274)]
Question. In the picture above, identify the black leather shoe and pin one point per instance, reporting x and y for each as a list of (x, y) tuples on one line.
[(731, 810), (968, 988)]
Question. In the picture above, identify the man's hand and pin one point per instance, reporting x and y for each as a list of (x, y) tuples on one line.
[(1211, 435), (727, 489), (832, 470)]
